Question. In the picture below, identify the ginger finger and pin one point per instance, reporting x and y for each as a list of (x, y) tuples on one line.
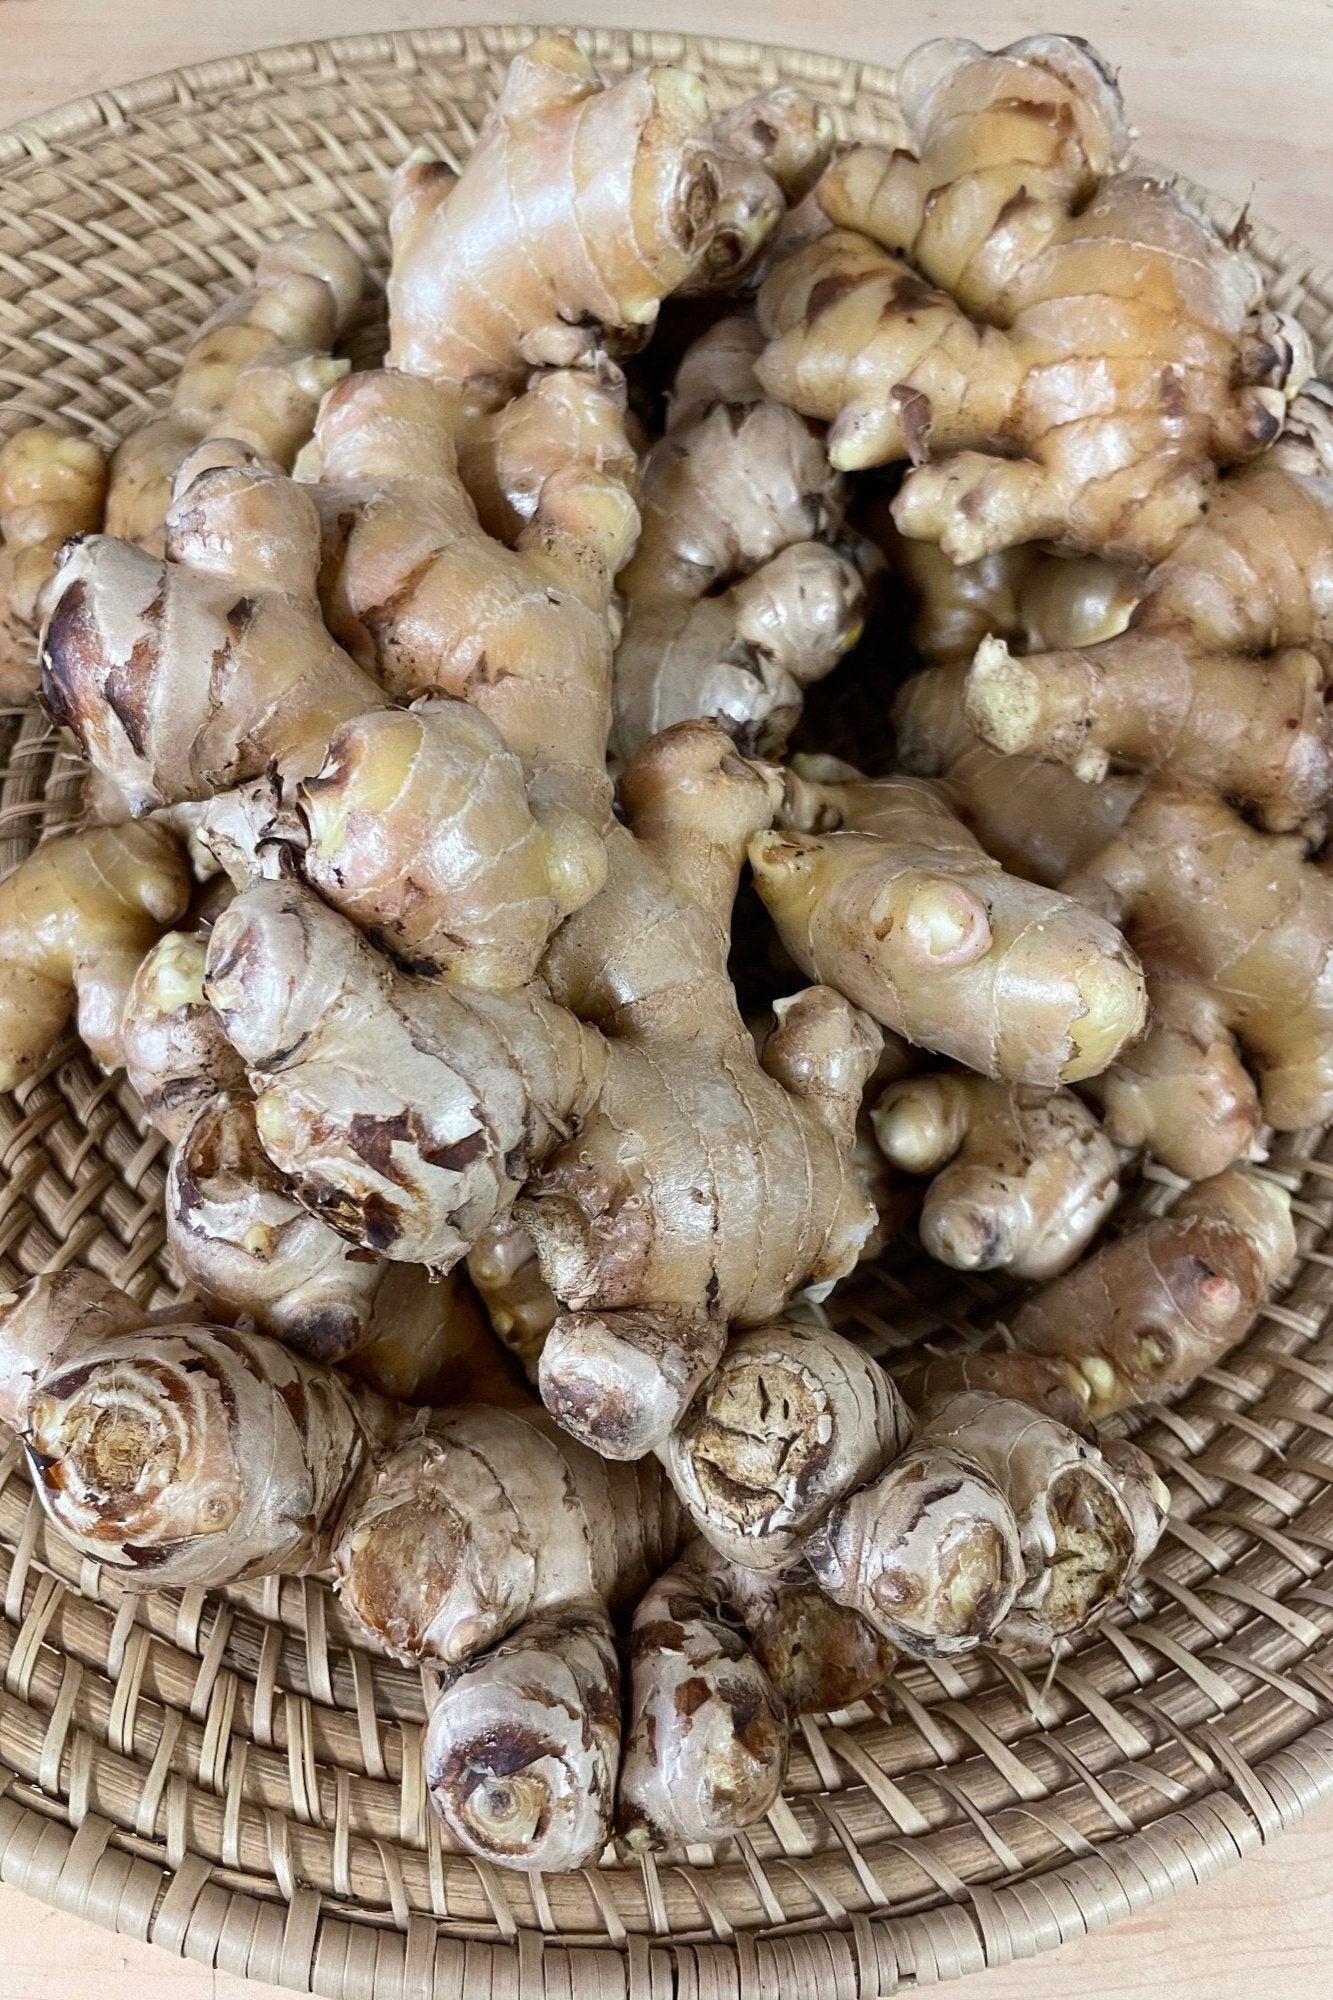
[(51, 487), (1236, 929), (426, 601), (245, 1246), (1118, 351), (1035, 818), (520, 1305), (1257, 732), (928, 1554), (566, 416), (743, 658), (792, 1419), (580, 208), (898, 907), (1022, 1180), (1149, 1311), (1217, 685), (76, 918), (737, 491), (522, 1746), (172, 1045), (707, 1733), (1079, 1536), (255, 372)]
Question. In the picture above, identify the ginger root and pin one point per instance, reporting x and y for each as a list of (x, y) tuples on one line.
[(707, 1733), (738, 491), (172, 1046), (1143, 1315), (51, 487), (177, 1454), (244, 1244), (876, 887), (580, 208), (1022, 1179), (566, 416), (76, 918), (1218, 682), (1035, 818), (1098, 350), (1236, 931), (997, 1525), (792, 1419), (254, 373), (494, 1543), (186, 678), (410, 1117)]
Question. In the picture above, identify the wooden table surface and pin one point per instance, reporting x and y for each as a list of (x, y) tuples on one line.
[(1239, 95)]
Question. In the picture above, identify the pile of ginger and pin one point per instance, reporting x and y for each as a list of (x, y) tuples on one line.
[(434, 718)]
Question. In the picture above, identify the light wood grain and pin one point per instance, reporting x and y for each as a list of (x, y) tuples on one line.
[(1237, 94), (1260, 1932)]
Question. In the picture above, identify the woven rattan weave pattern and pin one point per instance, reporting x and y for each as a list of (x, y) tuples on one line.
[(230, 1776)]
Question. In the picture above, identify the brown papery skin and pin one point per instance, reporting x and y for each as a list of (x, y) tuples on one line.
[(878, 889), (254, 372), (417, 592), (51, 486), (76, 917), (1118, 352), (179, 1454), (1236, 931), (579, 210), (522, 1747), (1056, 1388), (791, 1421), (1148, 1312), (928, 1554), (1022, 1179), (246, 1246), (172, 1044), (707, 1733), (1218, 683)]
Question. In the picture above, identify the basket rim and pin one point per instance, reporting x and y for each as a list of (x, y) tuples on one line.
[(43, 1855)]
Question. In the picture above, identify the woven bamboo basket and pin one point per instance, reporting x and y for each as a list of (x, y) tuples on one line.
[(229, 1776)]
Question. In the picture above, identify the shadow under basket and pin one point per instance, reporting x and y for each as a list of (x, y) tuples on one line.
[(229, 1775)]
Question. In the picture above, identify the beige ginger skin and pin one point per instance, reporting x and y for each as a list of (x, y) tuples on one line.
[(76, 917), (1235, 928), (1141, 1317), (1036, 818), (410, 1116), (580, 208), (876, 887), (738, 491), (997, 1524), (403, 816), (1217, 684), (254, 373), (1022, 1179), (1096, 351), (51, 487)]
